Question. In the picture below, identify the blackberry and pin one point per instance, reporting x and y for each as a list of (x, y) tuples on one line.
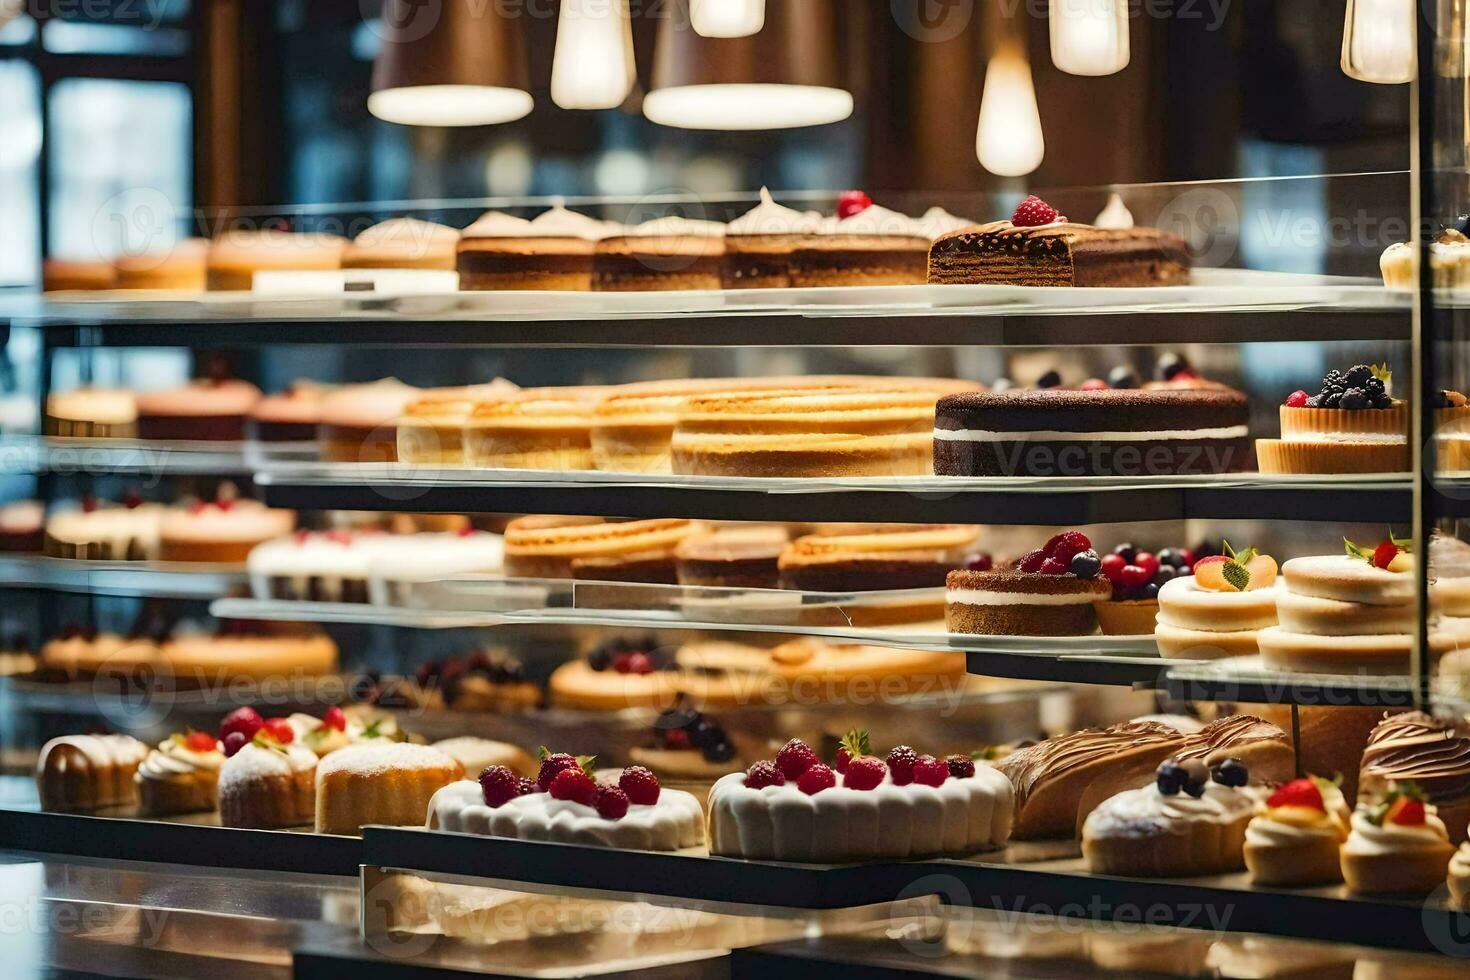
[(1334, 380), (1382, 401), (1123, 376), (1332, 400), (1169, 366), (1051, 379), (721, 751), (1358, 375), (1315, 401), (1354, 398)]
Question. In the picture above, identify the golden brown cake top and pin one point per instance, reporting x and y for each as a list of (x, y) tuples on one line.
[(1225, 734), (917, 542), (588, 537)]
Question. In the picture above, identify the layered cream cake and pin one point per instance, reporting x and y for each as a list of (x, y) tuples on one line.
[(873, 247), (1206, 615), (567, 547), (207, 410), (759, 244), (662, 254), (554, 251), (535, 429), (403, 243)]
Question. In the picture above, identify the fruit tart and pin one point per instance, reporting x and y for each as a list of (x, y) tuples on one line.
[(1219, 609), (1352, 425), (1190, 821), (862, 808), (1295, 838), (567, 804), (1397, 846), (1137, 576), (180, 776), (1048, 592), (686, 745)]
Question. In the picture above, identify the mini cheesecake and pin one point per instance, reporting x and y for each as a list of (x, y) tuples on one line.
[(552, 252), (1007, 602), (1107, 432)]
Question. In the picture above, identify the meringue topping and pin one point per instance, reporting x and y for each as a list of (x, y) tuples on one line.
[(1115, 215), (770, 218)]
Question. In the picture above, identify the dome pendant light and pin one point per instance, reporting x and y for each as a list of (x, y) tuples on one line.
[(1089, 37), (728, 18), (593, 65), (450, 63), (1378, 41), (1009, 141), (787, 75)]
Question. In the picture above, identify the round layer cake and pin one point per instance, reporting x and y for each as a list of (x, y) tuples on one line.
[(501, 251), (550, 547), (202, 660), (838, 824), (1108, 432), (290, 416), (676, 821), (359, 423), (201, 410), (1007, 602), (403, 243), (95, 413), (223, 531), (536, 429), (664, 254), (1196, 623)]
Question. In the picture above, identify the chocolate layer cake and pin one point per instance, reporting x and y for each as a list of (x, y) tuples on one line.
[(734, 559), (900, 556), (1110, 432), (1007, 602), (1062, 254), (664, 254)]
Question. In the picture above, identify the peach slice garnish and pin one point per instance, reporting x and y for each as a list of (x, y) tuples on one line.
[(1209, 573), (1263, 572)]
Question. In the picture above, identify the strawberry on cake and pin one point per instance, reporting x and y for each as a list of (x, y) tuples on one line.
[(567, 804), (1048, 592), (862, 808)]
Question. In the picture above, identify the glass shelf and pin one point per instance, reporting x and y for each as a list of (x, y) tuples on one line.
[(121, 457), (173, 580)]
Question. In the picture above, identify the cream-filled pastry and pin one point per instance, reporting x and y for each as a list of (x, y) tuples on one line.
[(1295, 838), (1397, 846)]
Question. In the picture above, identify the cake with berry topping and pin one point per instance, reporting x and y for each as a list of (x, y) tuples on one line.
[(1351, 613), (1220, 609), (267, 779), (1137, 576), (567, 804), (864, 807), (759, 244), (662, 254), (686, 745), (1295, 838), (483, 681), (1397, 845), (212, 410), (1191, 821), (1433, 754), (387, 783), (1060, 432), (80, 773), (1048, 592), (1449, 262), (882, 429), (1040, 247), (863, 245), (1352, 425), (221, 531), (180, 776), (619, 674)]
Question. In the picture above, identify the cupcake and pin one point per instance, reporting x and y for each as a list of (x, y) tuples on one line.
[(865, 245), (268, 783), (1449, 261), (1397, 846), (1353, 425), (209, 411), (236, 256), (759, 243), (92, 413), (403, 243), (1295, 838), (181, 268), (180, 776), (553, 252), (1219, 610), (663, 254)]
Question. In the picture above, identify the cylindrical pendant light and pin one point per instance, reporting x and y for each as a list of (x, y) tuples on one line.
[(1008, 141), (1089, 37), (450, 63), (593, 65), (787, 75), (728, 18), (1378, 41)]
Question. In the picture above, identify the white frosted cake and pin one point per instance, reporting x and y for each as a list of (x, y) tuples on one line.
[(783, 823), (674, 822)]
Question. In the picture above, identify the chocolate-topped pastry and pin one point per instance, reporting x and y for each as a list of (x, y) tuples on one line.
[(1102, 432), (865, 245), (553, 251), (1039, 247), (663, 254), (734, 558), (1433, 754), (759, 243)]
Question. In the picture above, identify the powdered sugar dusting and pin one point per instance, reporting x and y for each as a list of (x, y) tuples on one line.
[(376, 758)]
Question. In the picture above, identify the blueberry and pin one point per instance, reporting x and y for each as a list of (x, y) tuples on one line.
[(706, 733), (1149, 591), (600, 659), (1171, 778), (1169, 366), (1358, 376), (1051, 379), (1231, 772), (1460, 224), (1085, 564), (1168, 558), (1164, 574), (721, 751), (1182, 570), (1123, 376), (1128, 551), (1354, 398), (1197, 776)]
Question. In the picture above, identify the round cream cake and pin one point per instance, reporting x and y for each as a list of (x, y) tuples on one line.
[(1196, 623)]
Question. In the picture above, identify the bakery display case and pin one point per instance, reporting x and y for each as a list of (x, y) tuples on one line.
[(760, 582)]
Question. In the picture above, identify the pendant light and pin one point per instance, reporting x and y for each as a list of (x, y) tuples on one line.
[(450, 63), (1378, 41), (786, 75), (1089, 37), (1009, 141), (593, 66), (728, 18)]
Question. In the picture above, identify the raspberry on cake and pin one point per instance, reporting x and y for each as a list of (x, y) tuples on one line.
[(1157, 431), (869, 812), (1352, 425), (222, 531), (1039, 247), (1049, 592)]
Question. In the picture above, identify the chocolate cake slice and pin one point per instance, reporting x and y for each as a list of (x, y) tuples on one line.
[(1109, 432), (1059, 254)]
